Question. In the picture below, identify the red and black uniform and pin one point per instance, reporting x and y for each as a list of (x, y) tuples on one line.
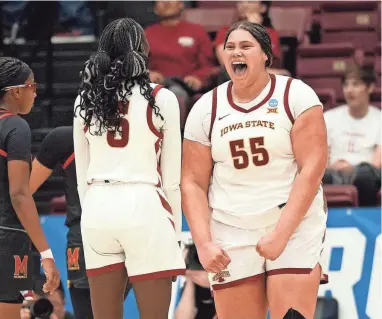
[(57, 149), (16, 264)]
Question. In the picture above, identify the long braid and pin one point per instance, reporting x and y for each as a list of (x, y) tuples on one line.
[(110, 74)]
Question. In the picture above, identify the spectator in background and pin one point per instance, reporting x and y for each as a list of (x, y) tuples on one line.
[(354, 137), (256, 12), (196, 301), (57, 299), (181, 53)]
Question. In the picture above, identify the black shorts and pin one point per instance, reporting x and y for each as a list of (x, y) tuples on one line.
[(16, 265), (75, 262)]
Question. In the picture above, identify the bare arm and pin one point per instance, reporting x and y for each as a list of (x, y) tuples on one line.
[(39, 175), (186, 306), (81, 151), (377, 157), (311, 152), (23, 203), (171, 159), (196, 173)]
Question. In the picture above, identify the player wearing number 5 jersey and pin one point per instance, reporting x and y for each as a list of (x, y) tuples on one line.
[(127, 145), (254, 154)]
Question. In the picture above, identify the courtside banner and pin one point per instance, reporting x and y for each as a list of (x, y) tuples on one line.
[(353, 255)]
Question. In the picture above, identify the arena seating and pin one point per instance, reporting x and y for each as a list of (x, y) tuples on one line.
[(341, 195), (355, 24)]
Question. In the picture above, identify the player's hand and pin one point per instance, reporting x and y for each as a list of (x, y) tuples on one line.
[(271, 245), (25, 313), (343, 166), (213, 258), (156, 77), (193, 82), (52, 275)]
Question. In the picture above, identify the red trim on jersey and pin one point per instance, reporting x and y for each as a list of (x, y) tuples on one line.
[(165, 204), (159, 170), (237, 282), (68, 161), (213, 110), (238, 108), (149, 118), (286, 100), (158, 274), (6, 114), (104, 269), (149, 114), (156, 89), (3, 153)]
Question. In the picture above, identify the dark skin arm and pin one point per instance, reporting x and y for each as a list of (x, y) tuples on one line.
[(24, 205)]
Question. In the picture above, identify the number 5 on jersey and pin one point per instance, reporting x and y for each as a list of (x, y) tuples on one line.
[(240, 156), (121, 138)]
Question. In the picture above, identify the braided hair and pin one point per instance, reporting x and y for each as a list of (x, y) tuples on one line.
[(12, 72), (259, 33), (109, 75)]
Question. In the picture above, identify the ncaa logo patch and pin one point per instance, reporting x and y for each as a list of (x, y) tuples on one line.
[(273, 103)]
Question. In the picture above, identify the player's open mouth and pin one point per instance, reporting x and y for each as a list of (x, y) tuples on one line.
[(239, 67)]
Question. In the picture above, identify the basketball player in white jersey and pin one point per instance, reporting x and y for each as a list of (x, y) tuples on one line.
[(255, 152), (127, 146)]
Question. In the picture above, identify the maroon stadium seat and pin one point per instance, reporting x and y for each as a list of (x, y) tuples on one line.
[(378, 58), (341, 6), (341, 195), (211, 18), (349, 21), (360, 39), (327, 97), (355, 22), (216, 4), (291, 21), (317, 60), (58, 205), (322, 65)]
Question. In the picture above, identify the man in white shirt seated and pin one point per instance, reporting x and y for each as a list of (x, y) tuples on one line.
[(354, 137)]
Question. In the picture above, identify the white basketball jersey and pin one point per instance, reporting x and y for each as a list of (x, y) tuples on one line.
[(254, 164), (131, 156)]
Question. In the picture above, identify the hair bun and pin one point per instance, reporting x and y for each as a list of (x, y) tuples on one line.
[(102, 61)]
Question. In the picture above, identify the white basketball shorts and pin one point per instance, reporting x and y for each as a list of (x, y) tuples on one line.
[(302, 253), (126, 225)]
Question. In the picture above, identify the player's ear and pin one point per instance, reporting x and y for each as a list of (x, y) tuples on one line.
[(16, 93)]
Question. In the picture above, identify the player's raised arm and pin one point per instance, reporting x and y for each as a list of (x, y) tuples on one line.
[(171, 156), (81, 151)]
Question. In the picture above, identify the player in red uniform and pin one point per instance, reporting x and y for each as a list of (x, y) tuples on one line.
[(19, 222)]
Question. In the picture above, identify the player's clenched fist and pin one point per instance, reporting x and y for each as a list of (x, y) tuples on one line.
[(271, 245), (213, 258)]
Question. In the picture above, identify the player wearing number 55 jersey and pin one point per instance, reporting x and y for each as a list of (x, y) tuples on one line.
[(254, 155), (127, 145)]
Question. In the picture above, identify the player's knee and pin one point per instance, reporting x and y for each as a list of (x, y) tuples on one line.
[(293, 314)]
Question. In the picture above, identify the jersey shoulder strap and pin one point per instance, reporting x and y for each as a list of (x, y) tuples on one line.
[(156, 90), (286, 100), (213, 110)]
